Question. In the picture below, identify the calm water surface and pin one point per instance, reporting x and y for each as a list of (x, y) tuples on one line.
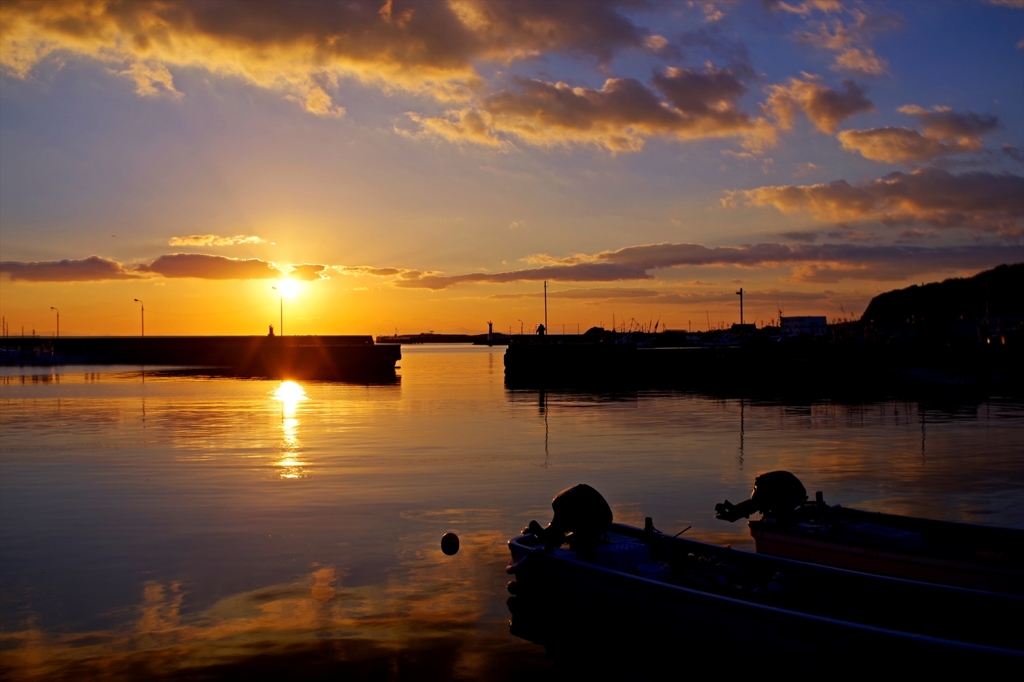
[(154, 525)]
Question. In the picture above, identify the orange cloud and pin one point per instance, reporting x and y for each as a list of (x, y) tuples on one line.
[(900, 145), (93, 268), (302, 49), (980, 200), (944, 132), (806, 8), (826, 108), (849, 40), (618, 117), (214, 240), (464, 125)]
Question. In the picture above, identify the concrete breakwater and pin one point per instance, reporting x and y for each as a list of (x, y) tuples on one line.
[(800, 366), (296, 357)]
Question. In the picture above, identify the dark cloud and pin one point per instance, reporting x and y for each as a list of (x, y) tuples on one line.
[(1015, 153), (308, 272), (201, 266), (303, 48), (819, 263), (582, 272), (825, 107), (370, 270), (697, 104), (178, 265), (91, 269), (943, 123), (979, 200), (808, 237), (709, 95)]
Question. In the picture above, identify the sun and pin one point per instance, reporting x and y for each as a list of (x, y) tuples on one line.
[(288, 287)]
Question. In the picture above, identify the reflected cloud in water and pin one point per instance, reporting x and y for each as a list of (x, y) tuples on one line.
[(427, 617)]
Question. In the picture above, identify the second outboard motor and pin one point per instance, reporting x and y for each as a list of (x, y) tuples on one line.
[(579, 510), (775, 493)]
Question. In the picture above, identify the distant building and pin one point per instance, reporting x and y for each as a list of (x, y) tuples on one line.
[(812, 325)]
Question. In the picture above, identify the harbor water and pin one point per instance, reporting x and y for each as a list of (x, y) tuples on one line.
[(165, 524)]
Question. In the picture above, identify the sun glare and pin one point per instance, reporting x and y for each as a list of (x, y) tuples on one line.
[(290, 392), (288, 287), (290, 463)]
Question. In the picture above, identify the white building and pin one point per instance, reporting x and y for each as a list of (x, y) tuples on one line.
[(806, 324)]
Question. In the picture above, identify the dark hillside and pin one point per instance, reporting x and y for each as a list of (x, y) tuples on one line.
[(942, 303)]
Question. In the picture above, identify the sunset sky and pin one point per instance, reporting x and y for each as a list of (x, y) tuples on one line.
[(426, 165)]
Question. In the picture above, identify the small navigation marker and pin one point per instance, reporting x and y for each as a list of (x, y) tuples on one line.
[(450, 543)]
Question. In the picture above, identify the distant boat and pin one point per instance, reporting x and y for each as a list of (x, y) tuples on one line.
[(944, 552), (629, 580)]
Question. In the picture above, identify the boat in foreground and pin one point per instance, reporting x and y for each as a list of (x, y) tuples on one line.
[(943, 552), (623, 579)]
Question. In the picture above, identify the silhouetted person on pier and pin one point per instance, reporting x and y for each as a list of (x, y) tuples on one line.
[(540, 330), (271, 330)]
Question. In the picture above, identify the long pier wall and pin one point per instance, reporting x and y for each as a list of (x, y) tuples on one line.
[(811, 367), (288, 356)]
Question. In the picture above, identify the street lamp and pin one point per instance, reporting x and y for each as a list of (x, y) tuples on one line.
[(520, 327), (280, 328), (58, 320), (143, 317)]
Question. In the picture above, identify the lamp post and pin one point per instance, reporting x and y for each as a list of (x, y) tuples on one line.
[(143, 305), (520, 327), (280, 328), (58, 320)]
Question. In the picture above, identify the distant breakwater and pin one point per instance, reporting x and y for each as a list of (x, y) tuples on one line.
[(295, 357), (801, 366)]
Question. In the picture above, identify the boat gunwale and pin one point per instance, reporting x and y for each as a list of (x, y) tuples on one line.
[(916, 555)]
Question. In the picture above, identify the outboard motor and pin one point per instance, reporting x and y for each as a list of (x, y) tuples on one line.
[(775, 493), (579, 510)]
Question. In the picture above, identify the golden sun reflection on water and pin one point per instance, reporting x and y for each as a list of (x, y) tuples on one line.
[(290, 394)]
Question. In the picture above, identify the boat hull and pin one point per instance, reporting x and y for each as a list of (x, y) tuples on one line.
[(559, 593), (946, 553)]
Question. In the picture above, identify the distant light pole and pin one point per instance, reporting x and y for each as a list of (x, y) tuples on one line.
[(280, 327), (143, 305), (520, 327), (58, 320)]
